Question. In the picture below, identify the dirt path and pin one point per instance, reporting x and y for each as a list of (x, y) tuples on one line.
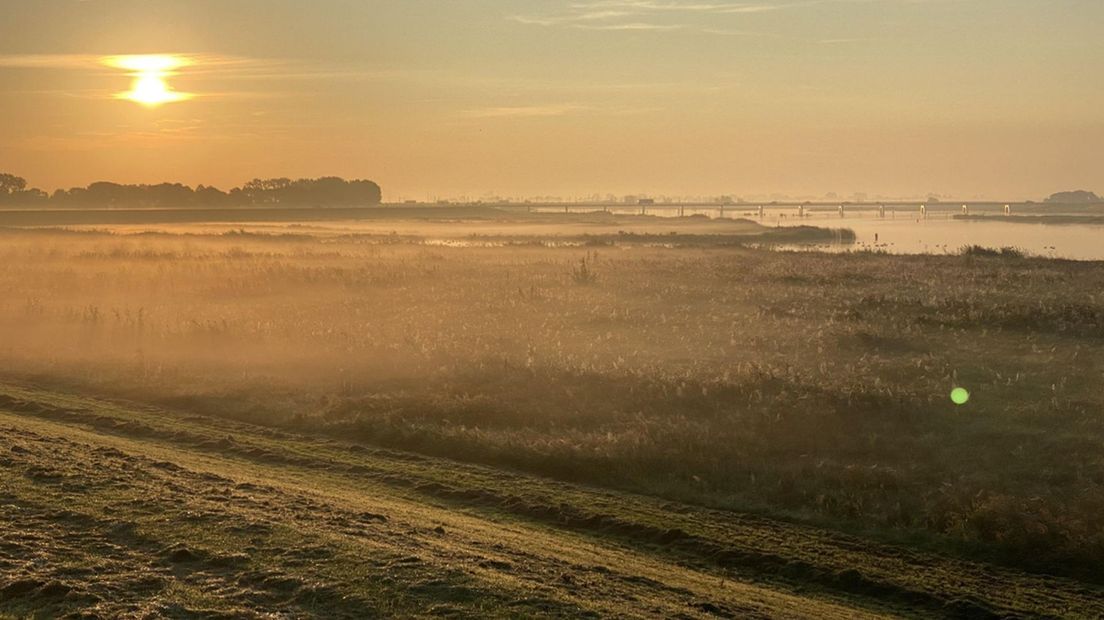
[(113, 510)]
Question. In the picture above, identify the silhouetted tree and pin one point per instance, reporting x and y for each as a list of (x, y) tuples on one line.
[(211, 196), (32, 196), (13, 190), (326, 191), (1073, 197), (9, 184)]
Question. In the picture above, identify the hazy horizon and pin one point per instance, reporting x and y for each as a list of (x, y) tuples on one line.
[(963, 98)]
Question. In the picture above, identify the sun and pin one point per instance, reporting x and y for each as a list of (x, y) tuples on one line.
[(152, 91), (150, 72)]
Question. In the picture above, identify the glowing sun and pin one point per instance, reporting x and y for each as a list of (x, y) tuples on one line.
[(150, 72)]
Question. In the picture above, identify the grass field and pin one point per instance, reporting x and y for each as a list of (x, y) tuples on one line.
[(687, 424)]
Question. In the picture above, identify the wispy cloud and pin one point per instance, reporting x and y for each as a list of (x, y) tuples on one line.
[(526, 111), (842, 41), (647, 15), (677, 15), (221, 76), (685, 7), (631, 26), (549, 110), (194, 64), (48, 61), (207, 62)]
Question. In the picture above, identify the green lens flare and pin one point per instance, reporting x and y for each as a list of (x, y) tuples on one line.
[(959, 396)]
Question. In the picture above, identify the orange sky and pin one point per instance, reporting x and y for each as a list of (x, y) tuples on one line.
[(970, 98)]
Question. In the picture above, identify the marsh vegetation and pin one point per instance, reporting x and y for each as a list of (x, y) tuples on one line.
[(682, 366)]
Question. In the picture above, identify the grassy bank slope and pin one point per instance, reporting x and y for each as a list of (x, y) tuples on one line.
[(122, 509)]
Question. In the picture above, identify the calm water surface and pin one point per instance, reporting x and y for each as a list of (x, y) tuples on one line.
[(903, 230), (940, 236)]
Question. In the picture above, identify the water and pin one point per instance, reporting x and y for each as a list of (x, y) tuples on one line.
[(903, 230), (941, 234)]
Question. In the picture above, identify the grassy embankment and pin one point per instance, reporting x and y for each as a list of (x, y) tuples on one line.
[(117, 510)]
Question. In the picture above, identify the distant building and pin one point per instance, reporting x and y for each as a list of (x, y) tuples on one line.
[(646, 201)]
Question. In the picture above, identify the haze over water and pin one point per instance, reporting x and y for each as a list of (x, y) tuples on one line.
[(905, 231), (942, 235)]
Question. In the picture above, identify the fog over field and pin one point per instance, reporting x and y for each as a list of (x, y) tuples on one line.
[(668, 361)]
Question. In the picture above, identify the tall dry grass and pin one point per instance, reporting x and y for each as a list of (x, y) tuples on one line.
[(807, 385)]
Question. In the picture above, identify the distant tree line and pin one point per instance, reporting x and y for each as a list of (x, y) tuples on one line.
[(1074, 197), (325, 191)]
